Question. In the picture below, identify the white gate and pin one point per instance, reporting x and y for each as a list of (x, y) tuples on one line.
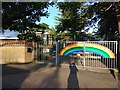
[(98, 54)]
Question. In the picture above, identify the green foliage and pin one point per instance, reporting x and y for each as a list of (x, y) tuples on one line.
[(59, 35), (43, 26), (107, 13), (21, 16), (76, 15), (72, 18)]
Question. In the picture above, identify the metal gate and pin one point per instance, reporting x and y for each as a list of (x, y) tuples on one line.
[(98, 54), (45, 52)]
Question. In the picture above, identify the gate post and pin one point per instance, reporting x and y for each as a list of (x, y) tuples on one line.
[(36, 47), (57, 54)]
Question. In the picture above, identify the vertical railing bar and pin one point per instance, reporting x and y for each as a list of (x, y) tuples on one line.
[(91, 65), (113, 46), (89, 59), (93, 59), (104, 59), (116, 53), (86, 60), (113, 50), (108, 60), (84, 54), (96, 57), (91, 54), (100, 60)]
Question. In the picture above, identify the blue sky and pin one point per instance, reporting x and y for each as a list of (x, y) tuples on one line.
[(51, 19)]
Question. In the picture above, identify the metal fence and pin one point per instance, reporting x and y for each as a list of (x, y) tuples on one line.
[(90, 54)]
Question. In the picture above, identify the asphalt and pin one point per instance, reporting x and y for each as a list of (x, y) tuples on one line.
[(46, 75)]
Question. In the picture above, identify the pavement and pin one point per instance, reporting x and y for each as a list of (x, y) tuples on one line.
[(46, 75)]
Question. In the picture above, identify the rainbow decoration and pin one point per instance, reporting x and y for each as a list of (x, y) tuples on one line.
[(89, 47)]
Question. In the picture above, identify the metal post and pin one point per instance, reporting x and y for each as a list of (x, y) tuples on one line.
[(36, 52), (116, 43), (56, 53)]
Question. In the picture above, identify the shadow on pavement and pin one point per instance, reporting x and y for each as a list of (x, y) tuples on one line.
[(7, 70), (9, 78), (21, 68), (52, 80), (72, 79), (13, 75)]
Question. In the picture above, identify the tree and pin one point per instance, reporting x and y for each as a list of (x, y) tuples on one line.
[(72, 18), (43, 26), (107, 13), (21, 16)]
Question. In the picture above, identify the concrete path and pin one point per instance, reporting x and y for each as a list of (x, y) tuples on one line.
[(44, 75)]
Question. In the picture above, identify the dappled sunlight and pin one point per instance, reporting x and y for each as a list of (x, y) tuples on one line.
[(43, 78)]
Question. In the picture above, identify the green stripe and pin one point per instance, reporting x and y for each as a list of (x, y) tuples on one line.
[(98, 51), (89, 49)]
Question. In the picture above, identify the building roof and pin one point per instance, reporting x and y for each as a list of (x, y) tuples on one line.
[(7, 34)]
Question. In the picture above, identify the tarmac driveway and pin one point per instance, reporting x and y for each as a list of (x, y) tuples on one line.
[(44, 75)]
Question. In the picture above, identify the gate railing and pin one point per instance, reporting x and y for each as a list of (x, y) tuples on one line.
[(92, 53)]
